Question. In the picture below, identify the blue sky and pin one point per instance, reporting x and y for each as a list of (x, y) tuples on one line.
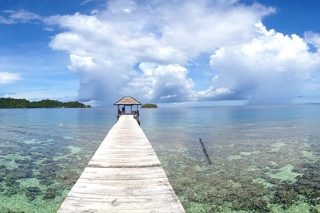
[(161, 51)]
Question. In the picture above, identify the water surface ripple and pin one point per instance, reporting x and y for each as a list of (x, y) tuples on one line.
[(265, 158)]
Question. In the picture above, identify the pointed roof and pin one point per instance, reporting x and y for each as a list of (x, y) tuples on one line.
[(127, 100)]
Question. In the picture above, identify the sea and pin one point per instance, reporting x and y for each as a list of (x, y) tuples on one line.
[(264, 158)]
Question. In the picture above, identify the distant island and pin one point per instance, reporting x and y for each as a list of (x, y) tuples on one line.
[(149, 106), (23, 103)]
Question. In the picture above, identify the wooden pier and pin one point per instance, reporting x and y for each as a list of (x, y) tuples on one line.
[(124, 175)]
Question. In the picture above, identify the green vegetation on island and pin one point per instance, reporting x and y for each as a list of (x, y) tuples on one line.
[(23, 103), (149, 106)]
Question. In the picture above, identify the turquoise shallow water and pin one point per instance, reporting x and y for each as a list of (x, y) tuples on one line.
[(265, 158)]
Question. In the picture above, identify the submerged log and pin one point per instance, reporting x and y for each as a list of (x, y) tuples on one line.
[(205, 151)]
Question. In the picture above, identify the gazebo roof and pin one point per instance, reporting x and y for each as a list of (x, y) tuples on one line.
[(127, 100)]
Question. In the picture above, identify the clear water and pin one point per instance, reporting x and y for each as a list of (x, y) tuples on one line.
[(265, 158)]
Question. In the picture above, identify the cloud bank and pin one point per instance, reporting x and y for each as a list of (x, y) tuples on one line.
[(270, 68), (144, 49)]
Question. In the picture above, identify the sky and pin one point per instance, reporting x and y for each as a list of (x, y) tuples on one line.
[(94, 51)]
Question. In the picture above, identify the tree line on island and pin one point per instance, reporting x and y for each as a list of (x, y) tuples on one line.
[(23, 103), (149, 106)]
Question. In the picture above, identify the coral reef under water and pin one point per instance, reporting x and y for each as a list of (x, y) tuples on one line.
[(264, 179), (35, 175), (257, 167)]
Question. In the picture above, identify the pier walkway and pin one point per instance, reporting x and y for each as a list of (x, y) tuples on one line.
[(124, 175)]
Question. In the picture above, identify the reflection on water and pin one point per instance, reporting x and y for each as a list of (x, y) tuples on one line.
[(265, 158)]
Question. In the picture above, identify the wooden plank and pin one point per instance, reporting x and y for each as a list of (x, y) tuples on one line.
[(124, 175)]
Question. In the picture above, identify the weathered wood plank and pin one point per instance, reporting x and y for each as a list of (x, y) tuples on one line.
[(124, 175)]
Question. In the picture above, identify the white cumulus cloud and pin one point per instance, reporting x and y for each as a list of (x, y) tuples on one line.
[(162, 83), (271, 67), (8, 78), (133, 48)]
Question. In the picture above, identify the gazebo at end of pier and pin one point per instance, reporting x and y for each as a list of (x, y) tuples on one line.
[(128, 101)]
